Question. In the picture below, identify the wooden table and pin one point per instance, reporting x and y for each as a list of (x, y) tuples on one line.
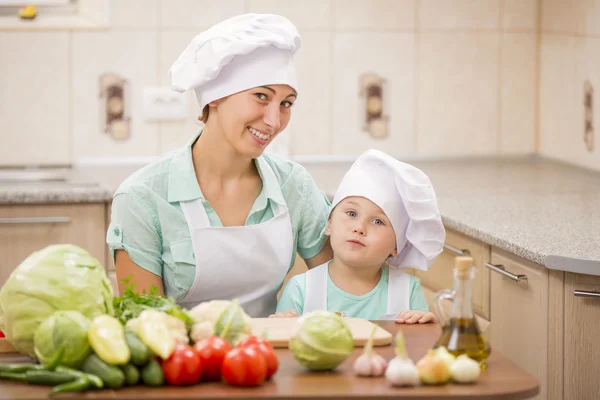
[(502, 380)]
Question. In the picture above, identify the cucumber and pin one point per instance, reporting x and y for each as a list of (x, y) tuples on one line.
[(140, 354), (111, 375), (132, 375), (152, 374)]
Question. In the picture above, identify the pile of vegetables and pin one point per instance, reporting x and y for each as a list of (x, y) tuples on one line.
[(58, 308)]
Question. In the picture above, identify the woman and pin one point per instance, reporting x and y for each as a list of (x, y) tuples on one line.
[(218, 219)]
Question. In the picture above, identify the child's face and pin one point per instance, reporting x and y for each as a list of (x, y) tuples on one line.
[(360, 233)]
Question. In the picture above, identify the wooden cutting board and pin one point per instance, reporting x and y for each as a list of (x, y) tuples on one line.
[(6, 346), (279, 331)]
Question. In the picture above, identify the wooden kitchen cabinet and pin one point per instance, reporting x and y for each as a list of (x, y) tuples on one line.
[(581, 337), (25, 229), (439, 276), (519, 313)]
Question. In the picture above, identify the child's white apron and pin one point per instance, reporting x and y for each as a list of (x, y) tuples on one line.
[(315, 296)]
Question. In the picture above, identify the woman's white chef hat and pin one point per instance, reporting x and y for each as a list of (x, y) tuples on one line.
[(237, 54), (406, 196)]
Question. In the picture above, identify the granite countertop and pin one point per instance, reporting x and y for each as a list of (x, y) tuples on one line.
[(543, 211)]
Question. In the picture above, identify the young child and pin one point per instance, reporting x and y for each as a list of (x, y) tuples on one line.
[(384, 217)]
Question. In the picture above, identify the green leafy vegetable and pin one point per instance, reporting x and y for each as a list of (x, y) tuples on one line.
[(58, 277), (131, 304), (321, 341), (231, 324), (64, 329)]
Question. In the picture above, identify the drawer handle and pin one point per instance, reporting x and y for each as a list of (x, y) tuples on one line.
[(35, 220), (501, 270), (585, 293), (460, 252)]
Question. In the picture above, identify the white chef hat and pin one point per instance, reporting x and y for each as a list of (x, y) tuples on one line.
[(406, 196), (237, 54)]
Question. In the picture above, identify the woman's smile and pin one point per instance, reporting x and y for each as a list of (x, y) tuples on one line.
[(258, 136)]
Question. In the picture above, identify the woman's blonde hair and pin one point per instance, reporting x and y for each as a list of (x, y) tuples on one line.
[(204, 116)]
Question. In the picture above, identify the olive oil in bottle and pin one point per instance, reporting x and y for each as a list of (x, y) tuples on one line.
[(460, 333)]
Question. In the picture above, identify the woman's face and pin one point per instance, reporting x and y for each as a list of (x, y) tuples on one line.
[(251, 119)]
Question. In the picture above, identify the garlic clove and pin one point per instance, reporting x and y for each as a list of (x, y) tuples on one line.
[(378, 365)]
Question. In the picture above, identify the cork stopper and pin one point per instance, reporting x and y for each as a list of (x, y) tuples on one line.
[(462, 266)]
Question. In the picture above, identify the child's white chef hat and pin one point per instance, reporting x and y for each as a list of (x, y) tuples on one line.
[(237, 54), (406, 196)]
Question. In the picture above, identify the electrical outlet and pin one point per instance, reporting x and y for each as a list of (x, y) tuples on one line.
[(163, 104)]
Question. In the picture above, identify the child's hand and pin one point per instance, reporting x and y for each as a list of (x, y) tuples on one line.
[(413, 317), (285, 314)]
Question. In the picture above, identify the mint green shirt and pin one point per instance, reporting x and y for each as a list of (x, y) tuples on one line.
[(370, 306), (147, 220)]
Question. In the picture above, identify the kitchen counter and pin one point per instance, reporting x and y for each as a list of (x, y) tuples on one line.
[(543, 211)]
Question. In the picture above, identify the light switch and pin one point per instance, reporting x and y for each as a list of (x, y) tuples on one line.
[(163, 104)]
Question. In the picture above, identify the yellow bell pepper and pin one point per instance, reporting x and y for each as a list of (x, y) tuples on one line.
[(153, 329), (107, 337)]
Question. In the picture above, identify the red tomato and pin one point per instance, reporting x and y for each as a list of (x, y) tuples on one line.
[(2, 334), (244, 366), (183, 367), (265, 348), (212, 351)]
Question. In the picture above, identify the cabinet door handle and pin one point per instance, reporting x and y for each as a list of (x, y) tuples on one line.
[(460, 252), (501, 270), (585, 293), (35, 220)]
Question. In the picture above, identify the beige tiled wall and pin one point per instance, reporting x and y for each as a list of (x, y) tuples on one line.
[(569, 55), (460, 77)]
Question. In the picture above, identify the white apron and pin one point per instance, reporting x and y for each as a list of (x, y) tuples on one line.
[(315, 296), (244, 262)]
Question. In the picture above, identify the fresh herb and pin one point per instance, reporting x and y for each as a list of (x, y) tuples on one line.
[(131, 304)]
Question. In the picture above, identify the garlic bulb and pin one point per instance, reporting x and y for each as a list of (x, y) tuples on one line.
[(465, 369), (370, 363), (373, 365), (401, 371)]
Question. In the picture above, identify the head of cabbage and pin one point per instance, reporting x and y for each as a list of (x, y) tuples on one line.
[(58, 277), (68, 329), (321, 341)]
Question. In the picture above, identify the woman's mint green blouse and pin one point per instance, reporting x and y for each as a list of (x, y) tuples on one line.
[(148, 223)]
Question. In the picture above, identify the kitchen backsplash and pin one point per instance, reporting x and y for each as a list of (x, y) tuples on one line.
[(570, 81), (460, 78)]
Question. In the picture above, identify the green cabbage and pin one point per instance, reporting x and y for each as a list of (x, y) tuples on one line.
[(63, 328), (58, 277), (321, 341)]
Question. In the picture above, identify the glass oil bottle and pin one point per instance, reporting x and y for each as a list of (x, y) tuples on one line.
[(460, 332)]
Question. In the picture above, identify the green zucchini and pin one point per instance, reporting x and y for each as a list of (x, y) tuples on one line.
[(111, 375), (152, 374), (132, 375), (140, 354)]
